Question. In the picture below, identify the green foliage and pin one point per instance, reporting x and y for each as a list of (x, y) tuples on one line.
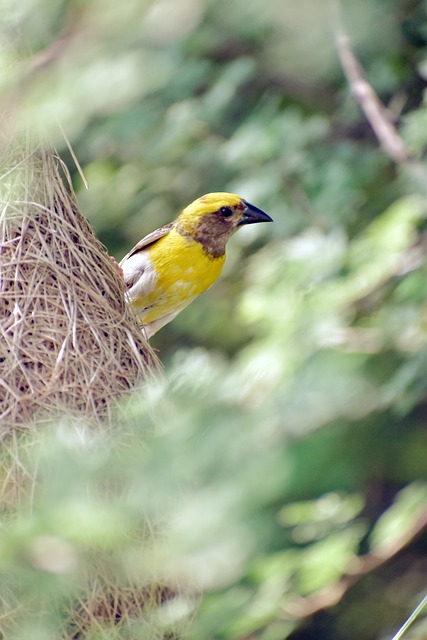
[(287, 438)]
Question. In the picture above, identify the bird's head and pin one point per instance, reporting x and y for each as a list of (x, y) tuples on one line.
[(214, 217)]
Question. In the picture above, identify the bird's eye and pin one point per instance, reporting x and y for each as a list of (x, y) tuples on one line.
[(226, 212)]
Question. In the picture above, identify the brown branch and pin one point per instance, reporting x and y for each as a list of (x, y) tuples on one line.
[(329, 597), (376, 113)]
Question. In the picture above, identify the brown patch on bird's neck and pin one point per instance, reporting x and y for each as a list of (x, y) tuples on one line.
[(212, 233), (214, 246)]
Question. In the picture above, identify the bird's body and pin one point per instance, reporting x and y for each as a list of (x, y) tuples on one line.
[(171, 266)]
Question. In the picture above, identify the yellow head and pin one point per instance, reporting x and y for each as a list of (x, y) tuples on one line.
[(214, 217)]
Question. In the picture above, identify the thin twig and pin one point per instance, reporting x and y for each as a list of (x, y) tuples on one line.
[(73, 155), (333, 594), (376, 113), (414, 615)]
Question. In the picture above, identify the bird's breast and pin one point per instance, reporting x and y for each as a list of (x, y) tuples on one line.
[(182, 263), (175, 270)]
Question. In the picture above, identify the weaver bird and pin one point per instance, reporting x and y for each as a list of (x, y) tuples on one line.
[(171, 266)]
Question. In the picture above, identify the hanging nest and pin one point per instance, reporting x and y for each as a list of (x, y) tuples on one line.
[(67, 339), (138, 611), (68, 345)]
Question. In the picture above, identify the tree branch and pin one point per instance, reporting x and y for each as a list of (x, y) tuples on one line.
[(330, 596), (376, 113)]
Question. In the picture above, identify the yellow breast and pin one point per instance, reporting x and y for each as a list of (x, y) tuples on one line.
[(183, 271)]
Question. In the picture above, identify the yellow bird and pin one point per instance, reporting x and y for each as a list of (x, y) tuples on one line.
[(171, 266)]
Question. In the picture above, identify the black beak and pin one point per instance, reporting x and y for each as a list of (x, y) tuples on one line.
[(252, 214)]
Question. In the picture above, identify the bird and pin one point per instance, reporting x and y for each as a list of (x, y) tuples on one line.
[(174, 264)]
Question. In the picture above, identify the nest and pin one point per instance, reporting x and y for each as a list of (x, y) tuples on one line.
[(68, 344), (67, 339), (129, 609)]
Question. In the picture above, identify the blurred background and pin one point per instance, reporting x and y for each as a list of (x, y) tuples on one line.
[(281, 464)]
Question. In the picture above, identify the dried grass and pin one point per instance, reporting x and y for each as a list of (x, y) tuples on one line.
[(68, 344), (67, 339), (125, 608)]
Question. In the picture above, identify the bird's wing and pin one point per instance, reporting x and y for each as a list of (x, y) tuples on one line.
[(151, 238), (138, 269)]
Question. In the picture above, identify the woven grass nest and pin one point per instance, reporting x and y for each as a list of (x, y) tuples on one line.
[(67, 339), (68, 344)]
